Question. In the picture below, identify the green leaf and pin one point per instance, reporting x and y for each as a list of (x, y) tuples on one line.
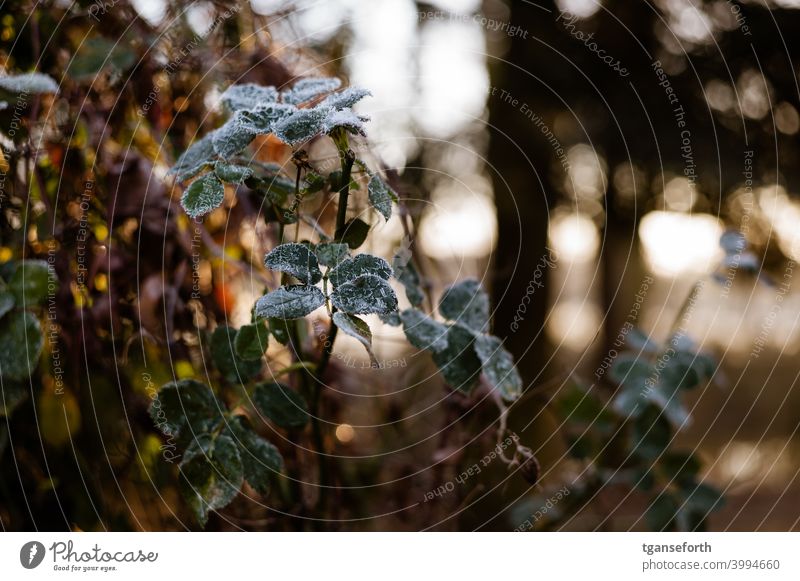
[(651, 434), (458, 363), (680, 467), (251, 341), (248, 96), (661, 513), (423, 332), (364, 295), (630, 369), (357, 328), (284, 407), (211, 474), (262, 119), (639, 341), (235, 135), (703, 498), (295, 259), (352, 268), (21, 342), (405, 272), (261, 460), (629, 402), (232, 367), (581, 407), (12, 394), (353, 233), (34, 83), (275, 188), (99, 54), (6, 302), (280, 330), (498, 366), (671, 405), (301, 125), (185, 409), (31, 281), (205, 194), (679, 373), (332, 253), (231, 173), (381, 196), (199, 155), (289, 302), (310, 88), (346, 98), (467, 303)]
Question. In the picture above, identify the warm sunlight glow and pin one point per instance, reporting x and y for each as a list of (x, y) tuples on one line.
[(675, 243)]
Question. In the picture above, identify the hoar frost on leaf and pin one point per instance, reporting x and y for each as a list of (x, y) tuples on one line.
[(381, 196), (200, 154), (346, 98), (423, 332), (295, 259), (332, 253), (467, 303), (204, 194), (212, 474), (498, 366), (233, 136), (28, 83), (248, 96), (352, 268), (347, 119), (301, 125), (310, 88), (290, 302), (357, 328), (365, 295), (458, 362)]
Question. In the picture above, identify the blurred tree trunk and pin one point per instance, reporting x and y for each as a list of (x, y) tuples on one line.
[(521, 158)]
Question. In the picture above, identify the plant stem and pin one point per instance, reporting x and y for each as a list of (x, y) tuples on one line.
[(347, 158)]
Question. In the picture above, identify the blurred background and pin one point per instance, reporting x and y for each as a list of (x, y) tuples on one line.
[(585, 154)]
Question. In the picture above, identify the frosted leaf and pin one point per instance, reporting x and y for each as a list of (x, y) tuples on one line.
[(251, 341), (361, 264), (301, 125), (262, 119), (422, 331), (284, 407), (260, 459), (467, 303), (357, 328), (29, 83), (364, 295), (231, 366), (289, 302), (203, 195), (392, 318), (347, 119), (233, 136), (458, 362), (347, 98), (211, 474), (232, 173), (498, 366), (295, 259), (307, 89), (332, 253), (194, 159), (185, 408), (405, 272), (381, 196), (21, 342), (248, 96)]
